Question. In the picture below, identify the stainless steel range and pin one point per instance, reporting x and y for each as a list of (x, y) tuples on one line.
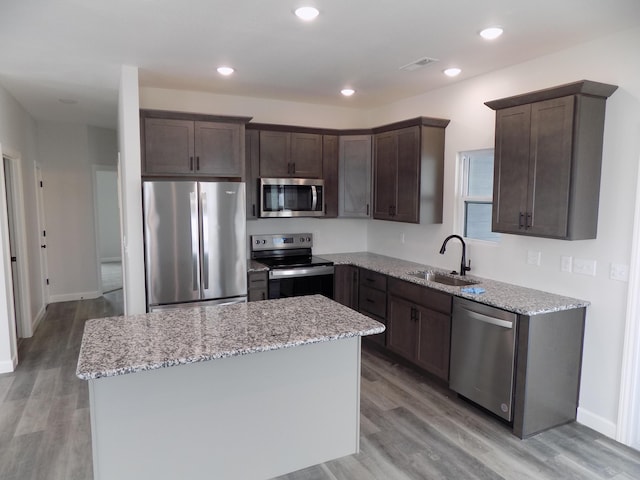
[(293, 269)]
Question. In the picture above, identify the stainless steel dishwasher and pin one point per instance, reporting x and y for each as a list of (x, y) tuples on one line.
[(483, 343)]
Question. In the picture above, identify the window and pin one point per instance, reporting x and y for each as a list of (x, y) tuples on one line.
[(477, 194)]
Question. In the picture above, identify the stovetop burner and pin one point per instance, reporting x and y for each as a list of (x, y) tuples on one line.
[(285, 250)]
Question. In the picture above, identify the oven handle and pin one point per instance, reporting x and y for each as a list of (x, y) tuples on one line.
[(301, 272)]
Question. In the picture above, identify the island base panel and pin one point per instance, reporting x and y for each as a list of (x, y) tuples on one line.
[(248, 417)]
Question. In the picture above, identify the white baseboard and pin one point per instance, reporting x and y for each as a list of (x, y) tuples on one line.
[(596, 422), (8, 366), (39, 317), (111, 259), (69, 297)]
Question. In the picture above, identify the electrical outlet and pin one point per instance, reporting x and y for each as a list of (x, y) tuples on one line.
[(566, 263), (584, 267), (533, 257), (619, 272)]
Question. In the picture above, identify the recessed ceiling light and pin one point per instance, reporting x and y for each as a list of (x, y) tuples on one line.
[(491, 33), (306, 13), (347, 92), (452, 72), (226, 71)]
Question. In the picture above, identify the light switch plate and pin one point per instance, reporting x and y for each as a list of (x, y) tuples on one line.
[(533, 257), (584, 267), (619, 272), (566, 263)]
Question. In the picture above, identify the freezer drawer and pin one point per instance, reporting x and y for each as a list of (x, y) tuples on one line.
[(483, 343)]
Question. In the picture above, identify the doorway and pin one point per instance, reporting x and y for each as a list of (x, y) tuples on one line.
[(107, 216), (13, 250)]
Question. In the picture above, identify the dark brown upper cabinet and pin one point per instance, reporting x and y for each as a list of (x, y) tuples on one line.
[(548, 156), (180, 144), (408, 171), (355, 176), (290, 154)]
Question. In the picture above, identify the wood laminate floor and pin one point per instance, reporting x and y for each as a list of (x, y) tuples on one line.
[(411, 427)]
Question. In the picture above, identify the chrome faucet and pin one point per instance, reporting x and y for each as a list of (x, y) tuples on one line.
[(463, 262)]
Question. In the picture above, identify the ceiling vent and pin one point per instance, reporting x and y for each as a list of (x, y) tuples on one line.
[(420, 63)]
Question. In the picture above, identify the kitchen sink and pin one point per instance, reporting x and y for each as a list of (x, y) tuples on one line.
[(443, 278)]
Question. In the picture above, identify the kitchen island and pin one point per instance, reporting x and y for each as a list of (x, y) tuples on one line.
[(246, 391)]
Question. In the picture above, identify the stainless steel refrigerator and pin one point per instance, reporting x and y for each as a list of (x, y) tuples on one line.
[(195, 242)]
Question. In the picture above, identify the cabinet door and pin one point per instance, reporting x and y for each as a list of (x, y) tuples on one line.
[(408, 176), (252, 168), (550, 166), (511, 169), (306, 155), (218, 149), (345, 285), (402, 327), (355, 176), (330, 174), (168, 146), (385, 159), (275, 154), (434, 336)]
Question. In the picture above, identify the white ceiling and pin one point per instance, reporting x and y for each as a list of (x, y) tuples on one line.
[(73, 49)]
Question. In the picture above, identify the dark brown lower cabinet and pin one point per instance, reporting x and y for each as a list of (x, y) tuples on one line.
[(372, 299), (345, 285), (416, 330), (258, 284)]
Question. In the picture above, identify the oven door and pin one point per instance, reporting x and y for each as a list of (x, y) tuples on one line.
[(291, 197), (294, 282)]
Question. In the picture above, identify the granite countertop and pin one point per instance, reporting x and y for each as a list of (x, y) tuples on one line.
[(521, 300), (129, 344), (255, 266)]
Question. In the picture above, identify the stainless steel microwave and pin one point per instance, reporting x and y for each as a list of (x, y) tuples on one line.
[(291, 197)]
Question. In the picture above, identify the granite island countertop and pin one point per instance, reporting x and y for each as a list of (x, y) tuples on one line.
[(121, 345), (521, 300)]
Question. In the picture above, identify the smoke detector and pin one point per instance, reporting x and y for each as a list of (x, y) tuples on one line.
[(417, 64)]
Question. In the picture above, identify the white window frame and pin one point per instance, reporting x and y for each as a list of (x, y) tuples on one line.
[(463, 182)]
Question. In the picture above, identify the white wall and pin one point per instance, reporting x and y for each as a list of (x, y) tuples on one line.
[(18, 138), (69, 212), (131, 192), (472, 127)]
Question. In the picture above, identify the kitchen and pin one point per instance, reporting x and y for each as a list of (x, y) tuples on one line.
[(472, 128)]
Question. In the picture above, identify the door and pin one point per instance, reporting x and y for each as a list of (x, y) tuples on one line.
[(275, 154), (168, 146), (408, 176), (17, 300), (550, 166), (355, 176), (223, 249), (306, 155), (511, 169), (385, 175), (402, 327), (433, 342), (171, 232), (217, 149)]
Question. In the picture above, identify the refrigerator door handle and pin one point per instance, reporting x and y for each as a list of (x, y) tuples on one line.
[(194, 238), (205, 239)]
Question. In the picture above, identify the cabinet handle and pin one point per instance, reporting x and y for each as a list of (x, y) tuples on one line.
[(528, 224), (253, 210), (289, 168), (367, 209), (294, 167), (325, 208), (521, 220), (190, 163), (369, 300), (198, 162), (264, 296), (368, 279), (413, 314)]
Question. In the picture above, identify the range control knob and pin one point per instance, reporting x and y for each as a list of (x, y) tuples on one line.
[(308, 239), (302, 239), (257, 242), (264, 242)]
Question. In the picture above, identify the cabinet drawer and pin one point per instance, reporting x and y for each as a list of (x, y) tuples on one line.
[(373, 301), (257, 280), (373, 279), (420, 295)]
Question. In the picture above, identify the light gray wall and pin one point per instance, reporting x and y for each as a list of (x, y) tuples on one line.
[(108, 215), (68, 153), (18, 138)]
